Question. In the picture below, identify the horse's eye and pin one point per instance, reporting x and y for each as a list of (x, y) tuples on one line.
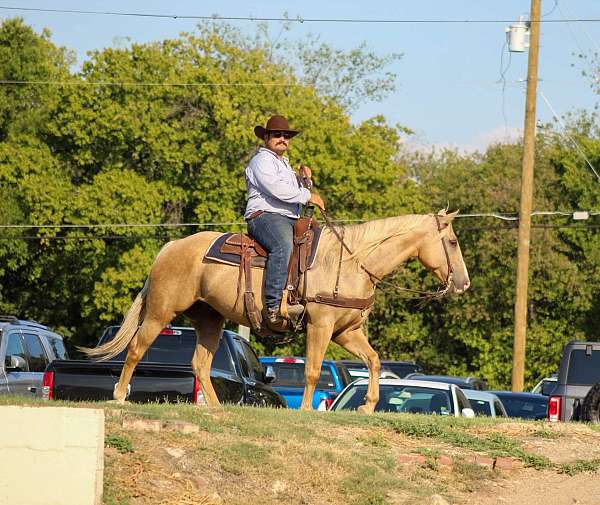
[(453, 242)]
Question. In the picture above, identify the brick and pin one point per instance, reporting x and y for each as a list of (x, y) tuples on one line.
[(411, 459), (183, 427), (152, 425), (480, 460), (505, 463), (484, 461), (445, 460)]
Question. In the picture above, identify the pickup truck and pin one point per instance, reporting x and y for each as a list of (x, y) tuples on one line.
[(165, 374), (289, 381), (576, 396)]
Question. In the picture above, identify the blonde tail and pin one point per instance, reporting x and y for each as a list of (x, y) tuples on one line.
[(129, 328)]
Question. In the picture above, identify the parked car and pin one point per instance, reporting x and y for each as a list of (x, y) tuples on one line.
[(485, 403), (408, 396), (576, 396), (165, 374), (26, 348), (523, 405), (289, 380), (351, 370), (462, 382), (546, 385)]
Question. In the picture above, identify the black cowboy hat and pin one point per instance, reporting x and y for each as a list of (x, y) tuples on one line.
[(275, 124)]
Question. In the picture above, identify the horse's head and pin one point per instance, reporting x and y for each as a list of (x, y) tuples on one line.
[(440, 252)]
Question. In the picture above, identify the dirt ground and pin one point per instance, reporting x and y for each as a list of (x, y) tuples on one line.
[(533, 487), (168, 468)]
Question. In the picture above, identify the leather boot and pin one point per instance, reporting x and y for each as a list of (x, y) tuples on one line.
[(275, 322)]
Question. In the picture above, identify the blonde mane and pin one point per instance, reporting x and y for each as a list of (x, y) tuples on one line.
[(362, 239)]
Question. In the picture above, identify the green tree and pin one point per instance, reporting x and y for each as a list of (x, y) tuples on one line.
[(24, 57), (123, 145)]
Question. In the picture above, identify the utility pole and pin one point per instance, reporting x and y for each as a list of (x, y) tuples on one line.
[(518, 371)]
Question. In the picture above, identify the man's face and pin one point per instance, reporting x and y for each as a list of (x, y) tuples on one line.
[(277, 141)]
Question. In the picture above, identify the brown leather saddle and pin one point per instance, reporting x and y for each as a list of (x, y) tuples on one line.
[(241, 249)]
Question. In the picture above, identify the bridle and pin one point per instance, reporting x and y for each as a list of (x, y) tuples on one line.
[(417, 294)]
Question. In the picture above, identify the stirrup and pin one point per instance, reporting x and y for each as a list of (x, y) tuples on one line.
[(275, 322)]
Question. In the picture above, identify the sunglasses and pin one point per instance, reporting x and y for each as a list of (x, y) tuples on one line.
[(277, 135)]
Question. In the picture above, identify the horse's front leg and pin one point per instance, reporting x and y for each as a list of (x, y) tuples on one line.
[(355, 341), (317, 339)]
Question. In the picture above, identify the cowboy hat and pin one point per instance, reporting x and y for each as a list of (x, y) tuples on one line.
[(275, 124)]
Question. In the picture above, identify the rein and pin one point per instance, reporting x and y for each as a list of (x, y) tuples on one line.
[(424, 295)]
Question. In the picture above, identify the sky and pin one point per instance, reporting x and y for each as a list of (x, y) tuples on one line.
[(449, 84)]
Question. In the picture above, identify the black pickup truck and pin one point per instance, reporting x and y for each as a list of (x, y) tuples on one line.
[(165, 373)]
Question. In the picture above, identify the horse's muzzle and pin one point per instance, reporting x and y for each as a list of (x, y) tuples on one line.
[(459, 287)]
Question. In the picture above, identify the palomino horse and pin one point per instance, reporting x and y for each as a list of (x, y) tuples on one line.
[(182, 282)]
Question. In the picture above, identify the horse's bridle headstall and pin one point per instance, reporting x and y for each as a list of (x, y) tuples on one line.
[(425, 295), (450, 275)]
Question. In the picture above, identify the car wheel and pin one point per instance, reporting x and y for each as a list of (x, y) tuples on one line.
[(590, 408)]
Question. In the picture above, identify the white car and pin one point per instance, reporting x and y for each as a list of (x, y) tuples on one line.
[(485, 404), (364, 374), (546, 385), (409, 396)]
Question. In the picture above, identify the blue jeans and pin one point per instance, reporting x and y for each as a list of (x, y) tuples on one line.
[(276, 234)]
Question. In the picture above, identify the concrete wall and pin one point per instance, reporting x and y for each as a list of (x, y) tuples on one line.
[(51, 456)]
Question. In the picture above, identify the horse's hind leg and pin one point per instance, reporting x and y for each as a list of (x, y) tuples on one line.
[(138, 346), (208, 324), (356, 342), (317, 340)]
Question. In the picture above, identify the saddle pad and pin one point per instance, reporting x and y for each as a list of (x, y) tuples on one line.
[(214, 252)]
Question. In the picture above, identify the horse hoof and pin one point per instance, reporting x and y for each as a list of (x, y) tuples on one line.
[(118, 402), (363, 409)]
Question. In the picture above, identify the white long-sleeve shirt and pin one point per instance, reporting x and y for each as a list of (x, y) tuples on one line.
[(272, 186)]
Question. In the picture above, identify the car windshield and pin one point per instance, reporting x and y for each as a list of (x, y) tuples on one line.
[(413, 399), (527, 408), (584, 367), (402, 369), (292, 375), (58, 347), (481, 407)]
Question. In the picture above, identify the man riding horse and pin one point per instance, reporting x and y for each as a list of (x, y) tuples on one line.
[(274, 199)]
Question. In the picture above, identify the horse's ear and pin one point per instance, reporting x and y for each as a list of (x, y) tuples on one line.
[(446, 219), (441, 212)]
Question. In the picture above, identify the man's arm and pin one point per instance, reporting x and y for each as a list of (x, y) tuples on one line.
[(264, 173)]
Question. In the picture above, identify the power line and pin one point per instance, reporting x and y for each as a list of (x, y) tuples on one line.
[(594, 43), (297, 19), (511, 227), (502, 217), (82, 82), (573, 141), (148, 84)]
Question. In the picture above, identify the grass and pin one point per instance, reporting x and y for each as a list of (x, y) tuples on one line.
[(121, 443), (579, 466), (268, 456)]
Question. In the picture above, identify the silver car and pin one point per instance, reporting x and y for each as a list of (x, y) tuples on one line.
[(409, 396), (26, 348), (485, 404)]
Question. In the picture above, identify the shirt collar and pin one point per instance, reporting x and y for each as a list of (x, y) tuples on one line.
[(264, 149)]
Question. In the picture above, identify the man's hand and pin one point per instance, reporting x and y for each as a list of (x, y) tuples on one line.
[(305, 171), (315, 199)]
